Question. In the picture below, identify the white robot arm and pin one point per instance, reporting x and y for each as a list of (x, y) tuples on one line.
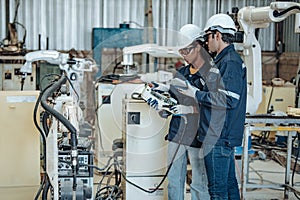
[(55, 57), (249, 19), (51, 56), (152, 49)]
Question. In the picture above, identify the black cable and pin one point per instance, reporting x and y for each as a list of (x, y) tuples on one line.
[(48, 92), (109, 191), (276, 13), (43, 138), (73, 132), (46, 76), (45, 118), (40, 188), (16, 10), (22, 82), (72, 86), (100, 182), (46, 189), (269, 110), (116, 66), (35, 113)]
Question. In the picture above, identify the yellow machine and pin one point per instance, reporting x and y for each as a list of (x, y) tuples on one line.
[(20, 169), (276, 98)]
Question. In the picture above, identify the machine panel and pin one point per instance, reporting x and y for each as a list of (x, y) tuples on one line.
[(19, 146), (145, 151), (11, 78)]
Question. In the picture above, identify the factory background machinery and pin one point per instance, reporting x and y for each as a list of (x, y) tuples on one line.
[(89, 113)]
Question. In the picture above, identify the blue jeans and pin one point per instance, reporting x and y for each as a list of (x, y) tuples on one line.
[(220, 168), (178, 171)]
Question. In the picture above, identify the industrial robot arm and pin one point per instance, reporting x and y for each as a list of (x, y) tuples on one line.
[(55, 57), (61, 100), (152, 49), (249, 19)]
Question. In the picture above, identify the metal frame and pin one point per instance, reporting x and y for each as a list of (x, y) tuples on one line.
[(292, 129)]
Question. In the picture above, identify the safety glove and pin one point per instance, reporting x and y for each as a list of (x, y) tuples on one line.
[(189, 90), (182, 109), (160, 87), (153, 103)]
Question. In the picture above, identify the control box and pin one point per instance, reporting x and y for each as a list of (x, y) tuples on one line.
[(85, 158), (84, 176), (11, 78)]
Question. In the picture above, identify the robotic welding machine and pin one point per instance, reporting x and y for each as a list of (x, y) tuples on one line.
[(68, 159)]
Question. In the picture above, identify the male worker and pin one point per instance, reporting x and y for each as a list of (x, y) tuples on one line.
[(183, 129), (222, 110)]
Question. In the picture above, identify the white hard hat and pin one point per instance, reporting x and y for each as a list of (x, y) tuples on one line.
[(190, 30), (222, 23)]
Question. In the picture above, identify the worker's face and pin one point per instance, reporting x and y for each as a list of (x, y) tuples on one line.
[(211, 41), (190, 52)]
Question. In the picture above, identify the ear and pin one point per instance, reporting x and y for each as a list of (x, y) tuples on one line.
[(198, 46), (218, 35)]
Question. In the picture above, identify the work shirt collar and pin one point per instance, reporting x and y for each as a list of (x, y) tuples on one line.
[(224, 52)]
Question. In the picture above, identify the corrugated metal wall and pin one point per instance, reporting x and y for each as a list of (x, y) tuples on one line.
[(68, 23), (290, 38)]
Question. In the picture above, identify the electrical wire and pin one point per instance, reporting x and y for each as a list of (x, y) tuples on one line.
[(46, 189), (16, 10), (276, 13), (105, 192), (49, 75), (40, 188), (72, 86), (43, 135), (73, 132), (53, 112)]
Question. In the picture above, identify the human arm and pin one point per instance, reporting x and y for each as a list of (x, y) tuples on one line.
[(222, 91)]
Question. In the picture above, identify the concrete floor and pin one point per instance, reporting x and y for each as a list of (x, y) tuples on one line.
[(260, 172), (266, 172)]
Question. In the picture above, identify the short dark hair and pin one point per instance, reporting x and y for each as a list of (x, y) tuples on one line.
[(227, 38)]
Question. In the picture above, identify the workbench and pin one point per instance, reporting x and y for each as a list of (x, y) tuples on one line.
[(275, 123)]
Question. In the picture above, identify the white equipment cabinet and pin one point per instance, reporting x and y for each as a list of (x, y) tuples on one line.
[(109, 112), (144, 151)]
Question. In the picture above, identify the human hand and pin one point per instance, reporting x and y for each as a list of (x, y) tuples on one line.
[(160, 87), (182, 109), (189, 90), (153, 103)]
